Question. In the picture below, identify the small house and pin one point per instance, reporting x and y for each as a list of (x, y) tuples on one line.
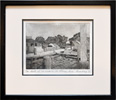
[(38, 50), (37, 44), (30, 46)]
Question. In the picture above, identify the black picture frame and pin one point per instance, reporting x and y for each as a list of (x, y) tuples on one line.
[(5, 3)]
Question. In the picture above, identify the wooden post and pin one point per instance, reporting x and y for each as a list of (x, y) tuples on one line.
[(47, 62), (83, 41)]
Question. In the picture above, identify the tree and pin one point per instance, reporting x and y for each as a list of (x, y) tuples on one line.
[(61, 41), (50, 40), (40, 39)]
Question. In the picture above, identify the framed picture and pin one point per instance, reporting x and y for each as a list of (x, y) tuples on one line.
[(57, 47), (58, 50)]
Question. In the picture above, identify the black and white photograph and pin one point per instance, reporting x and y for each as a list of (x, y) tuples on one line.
[(57, 46)]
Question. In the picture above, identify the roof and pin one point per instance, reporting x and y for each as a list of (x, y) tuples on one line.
[(30, 40)]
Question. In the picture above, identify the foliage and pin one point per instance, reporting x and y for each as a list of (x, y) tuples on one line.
[(40, 39), (59, 40)]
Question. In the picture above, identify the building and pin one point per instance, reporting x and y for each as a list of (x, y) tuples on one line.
[(30, 46)]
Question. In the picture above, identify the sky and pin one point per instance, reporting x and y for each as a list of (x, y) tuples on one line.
[(47, 29)]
